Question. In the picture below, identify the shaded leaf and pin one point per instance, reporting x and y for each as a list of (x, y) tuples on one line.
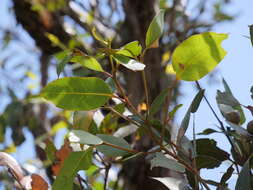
[(226, 99), (82, 119), (226, 176), (62, 63), (198, 55), (244, 178), (192, 109), (208, 154), (239, 130), (162, 161), (158, 102), (237, 107), (129, 63), (110, 151), (155, 30), (174, 110), (251, 33), (75, 162), (208, 131), (76, 93), (50, 150), (83, 137), (196, 101), (207, 162)]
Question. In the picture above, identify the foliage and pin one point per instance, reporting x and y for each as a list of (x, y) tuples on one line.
[(97, 147)]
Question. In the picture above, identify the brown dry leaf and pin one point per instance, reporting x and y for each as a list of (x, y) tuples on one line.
[(60, 156), (38, 183)]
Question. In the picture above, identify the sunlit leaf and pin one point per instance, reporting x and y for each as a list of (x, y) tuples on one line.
[(76, 93), (198, 55), (131, 49), (88, 62), (155, 30), (129, 63)]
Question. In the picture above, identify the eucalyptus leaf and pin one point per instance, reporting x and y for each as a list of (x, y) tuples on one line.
[(88, 62), (75, 162), (131, 49), (112, 151), (76, 93), (129, 63), (192, 109), (198, 55), (244, 178), (155, 30), (62, 63), (83, 137), (158, 102), (160, 160)]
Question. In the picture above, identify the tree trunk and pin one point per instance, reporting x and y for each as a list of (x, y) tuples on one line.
[(139, 14)]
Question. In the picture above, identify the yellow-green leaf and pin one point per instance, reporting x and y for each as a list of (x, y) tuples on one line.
[(155, 30), (88, 62), (77, 93), (198, 55)]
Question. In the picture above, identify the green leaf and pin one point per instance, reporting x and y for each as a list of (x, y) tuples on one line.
[(82, 119), (132, 49), (83, 137), (192, 109), (75, 162), (158, 102), (226, 99), (88, 62), (109, 150), (243, 181), (208, 154), (174, 110), (98, 37), (129, 63), (155, 30), (225, 177), (76, 93), (162, 161), (196, 101), (208, 131), (50, 150), (198, 55), (62, 63), (208, 162), (236, 107)]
